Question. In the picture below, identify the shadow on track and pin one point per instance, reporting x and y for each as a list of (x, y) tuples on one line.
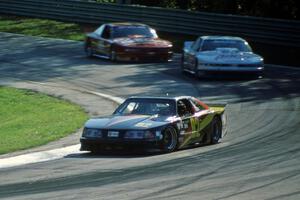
[(113, 154)]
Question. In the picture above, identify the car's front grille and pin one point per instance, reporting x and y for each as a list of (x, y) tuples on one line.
[(231, 65), (148, 50), (106, 132)]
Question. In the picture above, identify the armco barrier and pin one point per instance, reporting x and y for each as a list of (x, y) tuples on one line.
[(268, 31)]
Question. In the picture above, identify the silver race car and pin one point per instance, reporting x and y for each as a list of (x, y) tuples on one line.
[(220, 54)]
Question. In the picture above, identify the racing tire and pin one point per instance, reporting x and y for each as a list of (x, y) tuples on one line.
[(195, 70), (216, 130), (198, 73), (182, 64), (113, 55), (89, 52), (170, 140), (259, 75)]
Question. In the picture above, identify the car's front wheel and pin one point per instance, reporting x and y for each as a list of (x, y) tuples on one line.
[(170, 140), (198, 73)]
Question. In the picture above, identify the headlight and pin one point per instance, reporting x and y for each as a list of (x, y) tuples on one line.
[(139, 135), (91, 132)]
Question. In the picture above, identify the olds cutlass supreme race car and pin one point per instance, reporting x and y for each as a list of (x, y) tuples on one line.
[(220, 54), (127, 42), (156, 123)]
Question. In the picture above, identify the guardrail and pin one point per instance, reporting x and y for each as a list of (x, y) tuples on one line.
[(268, 31)]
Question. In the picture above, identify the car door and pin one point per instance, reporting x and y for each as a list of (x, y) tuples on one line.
[(100, 40), (95, 37), (186, 112), (104, 45), (202, 119)]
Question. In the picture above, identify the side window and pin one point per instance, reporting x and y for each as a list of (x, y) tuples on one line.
[(106, 32), (196, 45), (184, 108)]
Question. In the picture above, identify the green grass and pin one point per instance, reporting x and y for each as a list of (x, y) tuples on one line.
[(41, 27), (29, 119)]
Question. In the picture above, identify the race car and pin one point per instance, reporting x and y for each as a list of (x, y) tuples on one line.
[(211, 54), (156, 123), (127, 42)]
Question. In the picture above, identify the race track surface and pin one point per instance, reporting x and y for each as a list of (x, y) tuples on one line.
[(257, 159)]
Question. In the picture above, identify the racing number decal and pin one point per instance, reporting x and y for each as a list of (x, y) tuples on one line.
[(198, 124)]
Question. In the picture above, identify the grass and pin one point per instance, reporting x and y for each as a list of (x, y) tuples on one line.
[(29, 119), (41, 27)]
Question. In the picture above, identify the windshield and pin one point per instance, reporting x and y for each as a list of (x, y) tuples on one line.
[(211, 45), (162, 107), (129, 31)]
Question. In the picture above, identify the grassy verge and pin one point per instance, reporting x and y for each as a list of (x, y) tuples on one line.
[(41, 27), (29, 119)]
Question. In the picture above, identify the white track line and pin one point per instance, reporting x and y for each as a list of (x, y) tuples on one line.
[(50, 154)]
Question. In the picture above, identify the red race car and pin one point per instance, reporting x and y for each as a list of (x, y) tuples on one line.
[(127, 42)]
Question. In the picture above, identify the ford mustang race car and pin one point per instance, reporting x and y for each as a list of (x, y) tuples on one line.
[(156, 123), (220, 54), (127, 42)]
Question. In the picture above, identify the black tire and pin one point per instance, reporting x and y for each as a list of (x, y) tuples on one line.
[(216, 130), (195, 69), (94, 150), (170, 140), (182, 63), (113, 55), (89, 52), (259, 75)]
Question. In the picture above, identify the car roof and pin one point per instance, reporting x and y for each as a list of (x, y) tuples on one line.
[(161, 97), (125, 24), (216, 37)]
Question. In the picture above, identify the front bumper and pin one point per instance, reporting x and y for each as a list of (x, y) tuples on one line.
[(144, 56), (89, 144), (233, 68)]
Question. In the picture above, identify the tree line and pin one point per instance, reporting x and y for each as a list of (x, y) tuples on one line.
[(283, 9)]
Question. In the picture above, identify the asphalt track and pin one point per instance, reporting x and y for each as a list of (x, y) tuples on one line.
[(258, 158)]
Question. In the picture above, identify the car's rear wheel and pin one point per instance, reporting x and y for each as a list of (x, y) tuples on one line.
[(89, 52), (182, 67), (113, 54), (216, 133), (170, 139)]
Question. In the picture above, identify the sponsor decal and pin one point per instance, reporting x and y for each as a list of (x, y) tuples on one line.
[(144, 124)]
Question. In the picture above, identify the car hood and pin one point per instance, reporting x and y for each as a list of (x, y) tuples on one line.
[(128, 122), (142, 42), (229, 56)]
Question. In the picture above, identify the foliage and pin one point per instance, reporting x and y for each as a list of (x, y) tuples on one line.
[(285, 9), (41, 27)]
